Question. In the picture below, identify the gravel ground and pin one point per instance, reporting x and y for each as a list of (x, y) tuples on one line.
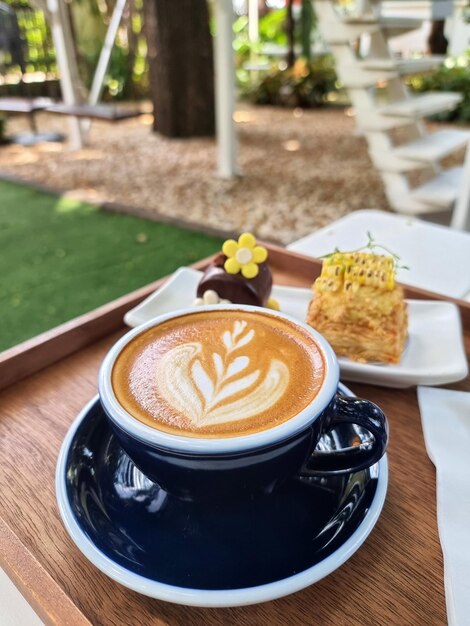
[(300, 170)]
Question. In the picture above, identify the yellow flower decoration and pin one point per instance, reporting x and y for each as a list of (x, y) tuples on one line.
[(243, 256)]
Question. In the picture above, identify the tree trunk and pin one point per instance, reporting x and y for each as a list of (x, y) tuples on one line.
[(290, 27), (306, 25), (437, 43), (181, 69)]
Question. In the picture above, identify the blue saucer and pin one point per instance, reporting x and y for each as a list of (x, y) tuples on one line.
[(219, 555)]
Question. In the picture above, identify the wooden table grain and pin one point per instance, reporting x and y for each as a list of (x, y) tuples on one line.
[(396, 578)]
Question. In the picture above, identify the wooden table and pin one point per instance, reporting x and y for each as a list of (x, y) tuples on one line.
[(396, 578)]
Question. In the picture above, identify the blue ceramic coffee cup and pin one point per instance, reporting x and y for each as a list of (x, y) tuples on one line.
[(212, 469)]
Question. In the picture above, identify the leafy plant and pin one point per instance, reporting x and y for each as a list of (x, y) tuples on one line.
[(452, 75), (271, 30), (37, 45), (307, 84), (127, 76), (272, 27)]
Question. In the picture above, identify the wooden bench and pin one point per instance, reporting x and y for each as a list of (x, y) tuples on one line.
[(24, 105), (104, 112), (29, 107)]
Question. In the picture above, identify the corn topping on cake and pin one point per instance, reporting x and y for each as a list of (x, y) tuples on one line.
[(358, 307)]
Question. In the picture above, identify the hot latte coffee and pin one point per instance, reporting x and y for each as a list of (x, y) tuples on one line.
[(218, 373)]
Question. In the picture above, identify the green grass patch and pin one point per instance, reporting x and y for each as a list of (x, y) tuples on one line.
[(60, 258)]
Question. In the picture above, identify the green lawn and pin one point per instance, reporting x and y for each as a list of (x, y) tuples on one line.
[(60, 258)]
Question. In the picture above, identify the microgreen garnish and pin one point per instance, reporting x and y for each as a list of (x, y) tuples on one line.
[(371, 245)]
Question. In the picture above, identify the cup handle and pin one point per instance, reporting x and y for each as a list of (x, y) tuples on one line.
[(355, 457)]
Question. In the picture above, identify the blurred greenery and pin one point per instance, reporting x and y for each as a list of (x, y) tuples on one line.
[(61, 258), (271, 31), (307, 84), (452, 75), (127, 74), (38, 48), (311, 82)]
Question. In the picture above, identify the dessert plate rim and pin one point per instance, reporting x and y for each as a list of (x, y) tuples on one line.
[(415, 369)]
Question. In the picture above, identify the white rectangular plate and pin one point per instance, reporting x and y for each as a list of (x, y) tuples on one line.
[(434, 355)]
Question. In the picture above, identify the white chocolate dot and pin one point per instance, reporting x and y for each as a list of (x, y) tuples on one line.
[(244, 255), (198, 302), (211, 297), (223, 301)]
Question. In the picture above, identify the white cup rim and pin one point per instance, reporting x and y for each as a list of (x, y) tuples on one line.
[(237, 444)]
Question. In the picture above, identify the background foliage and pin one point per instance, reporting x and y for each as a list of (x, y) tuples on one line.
[(307, 84), (127, 74), (311, 79), (310, 82), (452, 75), (38, 49)]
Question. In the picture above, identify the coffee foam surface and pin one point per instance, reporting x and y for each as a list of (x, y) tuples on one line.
[(218, 374)]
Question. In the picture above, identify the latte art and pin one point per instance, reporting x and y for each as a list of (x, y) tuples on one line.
[(218, 373), (222, 388)]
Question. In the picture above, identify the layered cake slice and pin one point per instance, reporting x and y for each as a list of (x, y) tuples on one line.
[(358, 307)]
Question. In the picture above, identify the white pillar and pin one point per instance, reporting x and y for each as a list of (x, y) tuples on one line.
[(461, 213), (65, 54), (225, 89), (253, 21)]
